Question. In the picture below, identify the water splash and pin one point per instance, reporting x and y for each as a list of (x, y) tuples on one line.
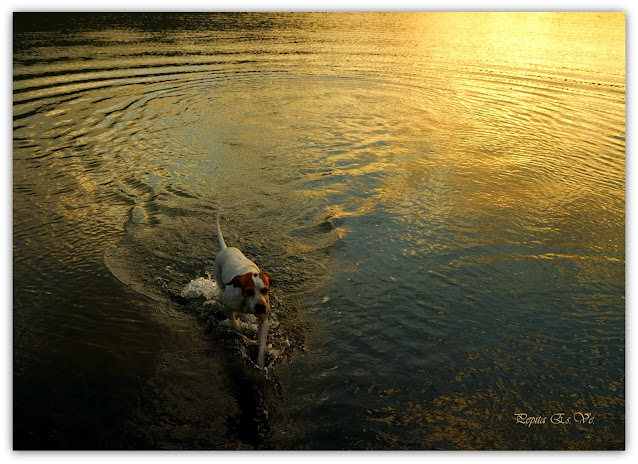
[(202, 286), (216, 317)]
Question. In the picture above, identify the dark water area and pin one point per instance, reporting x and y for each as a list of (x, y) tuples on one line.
[(439, 196)]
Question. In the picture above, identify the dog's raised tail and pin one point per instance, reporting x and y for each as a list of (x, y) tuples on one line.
[(220, 237)]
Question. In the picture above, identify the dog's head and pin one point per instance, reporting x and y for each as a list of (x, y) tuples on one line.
[(255, 288)]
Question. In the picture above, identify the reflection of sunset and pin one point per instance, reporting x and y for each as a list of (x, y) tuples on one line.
[(502, 151), (536, 40)]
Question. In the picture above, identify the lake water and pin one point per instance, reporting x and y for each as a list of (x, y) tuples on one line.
[(440, 198)]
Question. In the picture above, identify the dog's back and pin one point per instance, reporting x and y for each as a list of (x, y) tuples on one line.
[(231, 262)]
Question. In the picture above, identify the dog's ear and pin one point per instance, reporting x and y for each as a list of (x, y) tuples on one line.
[(236, 282), (271, 281)]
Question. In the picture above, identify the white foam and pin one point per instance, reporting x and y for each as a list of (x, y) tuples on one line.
[(201, 286)]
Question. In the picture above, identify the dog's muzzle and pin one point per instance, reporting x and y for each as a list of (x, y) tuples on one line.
[(260, 308)]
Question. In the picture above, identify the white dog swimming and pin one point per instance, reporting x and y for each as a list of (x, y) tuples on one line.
[(243, 288)]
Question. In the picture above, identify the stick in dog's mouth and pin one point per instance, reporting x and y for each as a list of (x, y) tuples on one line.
[(261, 340)]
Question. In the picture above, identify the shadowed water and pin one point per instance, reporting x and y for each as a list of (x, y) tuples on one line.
[(440, 198)]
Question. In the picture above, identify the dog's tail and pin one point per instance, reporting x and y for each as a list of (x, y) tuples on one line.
[(220, 237)]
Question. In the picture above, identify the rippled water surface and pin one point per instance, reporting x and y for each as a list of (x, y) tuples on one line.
[(440, 198)]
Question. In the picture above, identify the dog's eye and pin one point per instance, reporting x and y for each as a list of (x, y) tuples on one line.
[(250, 292), (264, 291)]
